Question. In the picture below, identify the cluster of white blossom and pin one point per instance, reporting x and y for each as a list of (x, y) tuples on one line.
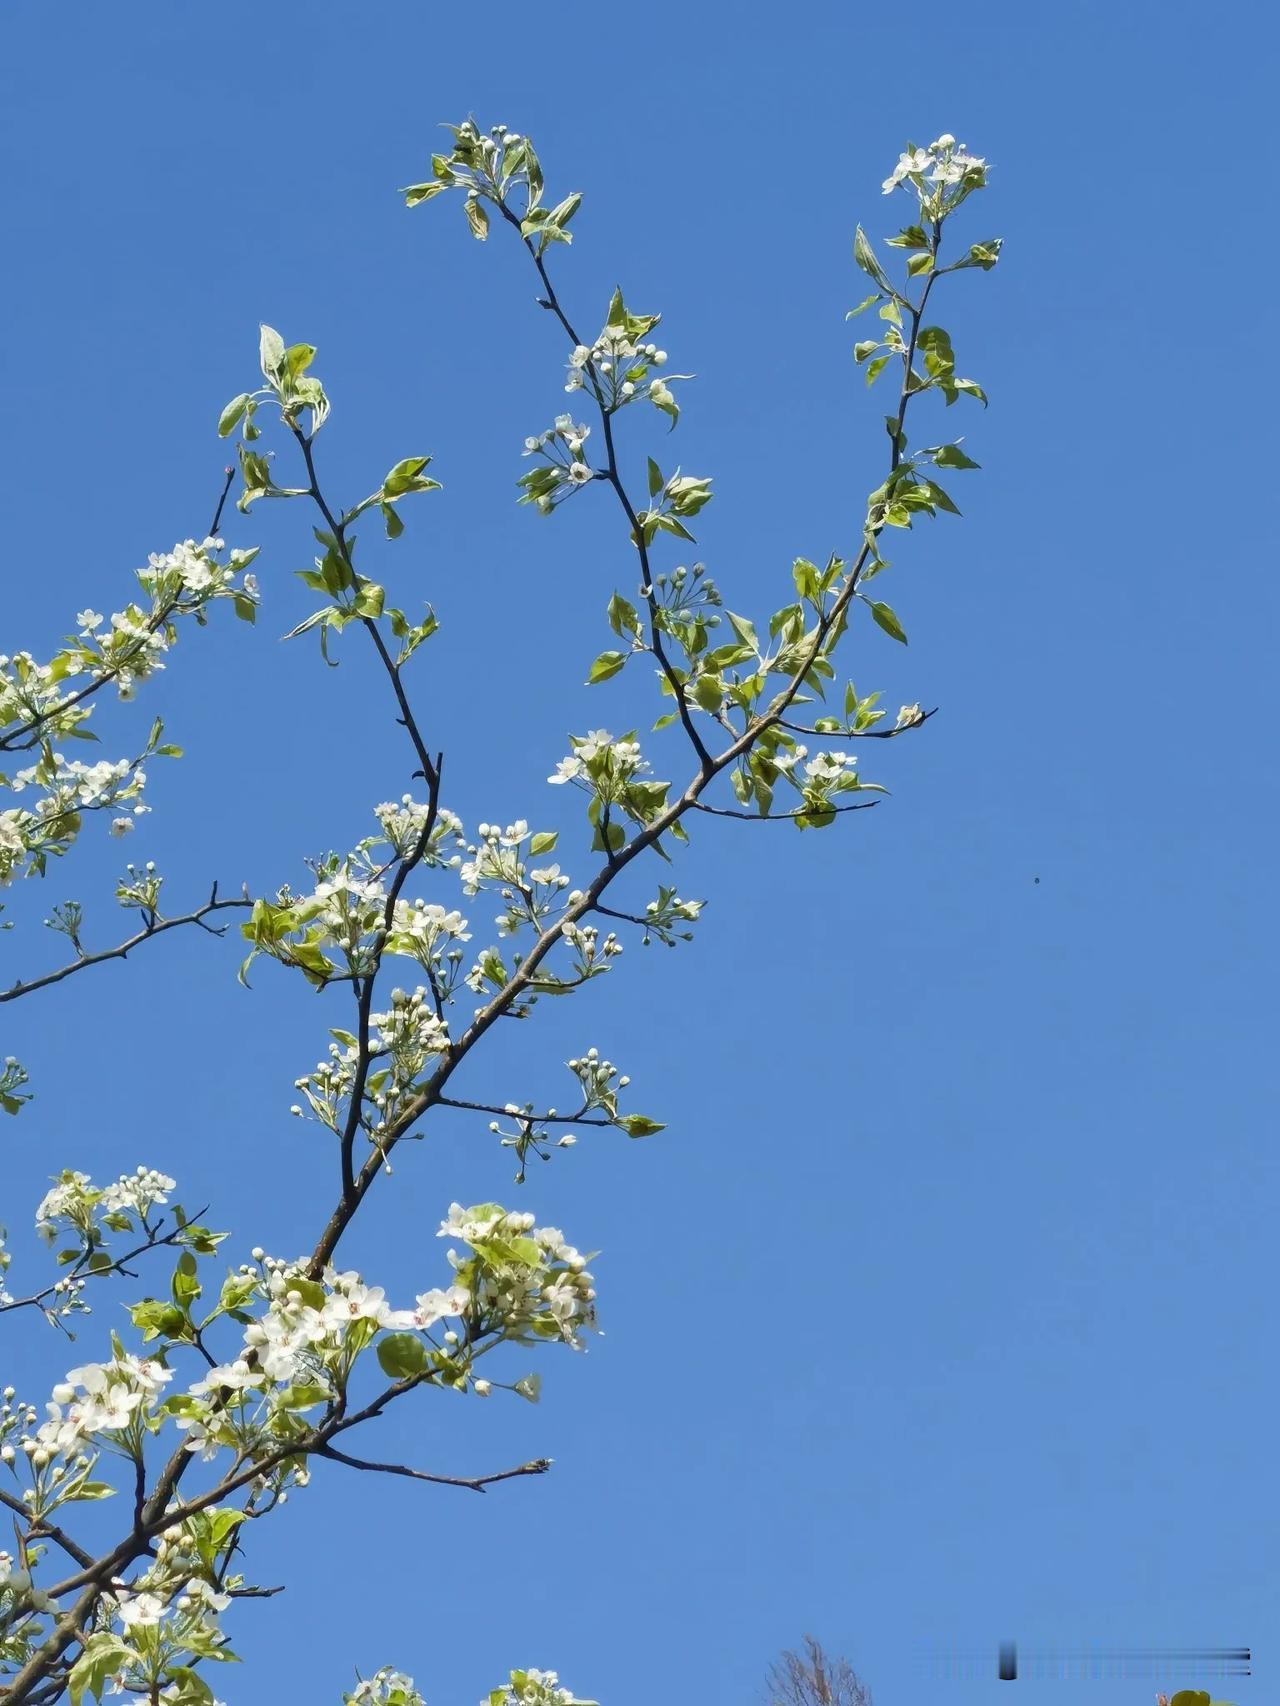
[(145, 1603), (619, 368), (402, 1040), (534, 1688), (495, 856), (420, 931), (524, 1278), (99, 1398), (385, 1687), (663, 915), (346, 906), (591, 952), (75, 1203), (598, 759), (407, 1036), (18, 1420), (941, 164), (140, 889), (563, 467), (13, 1075), (403, 821), (127, 646), (823, 766), (41, 703), (161, 1623), (13, 842), (68, 787), (599, 1080), (389, 1687)]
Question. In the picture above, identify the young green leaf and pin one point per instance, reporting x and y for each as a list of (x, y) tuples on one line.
[(886, 619)]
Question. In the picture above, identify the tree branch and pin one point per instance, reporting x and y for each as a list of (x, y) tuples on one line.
[(155, 927), (614, 478), (118, 1266), (520, 1114), (476, 1484), (38, 1528), (781, 817)]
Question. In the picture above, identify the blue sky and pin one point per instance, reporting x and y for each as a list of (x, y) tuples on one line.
[(942, 1312)]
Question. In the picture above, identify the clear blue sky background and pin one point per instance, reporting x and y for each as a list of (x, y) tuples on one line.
[(943, 1311)]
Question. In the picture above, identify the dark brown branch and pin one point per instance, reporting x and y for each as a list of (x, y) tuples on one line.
[(38, 1528), (614, 478), (230, 474), (859, 734), (781, 817), (476, 1484), (118, 1266), (22, 739), (155, 927), (529, 1119)]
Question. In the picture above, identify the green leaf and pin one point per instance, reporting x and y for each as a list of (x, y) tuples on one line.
[(865, 256), (232, 415), (623, 617), (310, 1291), (564, 211), (530, 1387), (805, 576), (303, 1397), (407, 476), (984, 255), (951, 456), (952, 388), (607, 664), (477, 218), (415, 194), (638, 1125), (100, 1658), (938, 496), (708, 692), (270, 352), (369, 599), (401, 1355), (543, 842), (298, 358), (186, 1687), (886, 619)]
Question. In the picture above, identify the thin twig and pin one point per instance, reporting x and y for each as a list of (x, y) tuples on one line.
[(519, 1114), (156, 927), (614, 478), (861, 734), (117, 1266), (23, 738), (476, 1483), (781, 817)]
